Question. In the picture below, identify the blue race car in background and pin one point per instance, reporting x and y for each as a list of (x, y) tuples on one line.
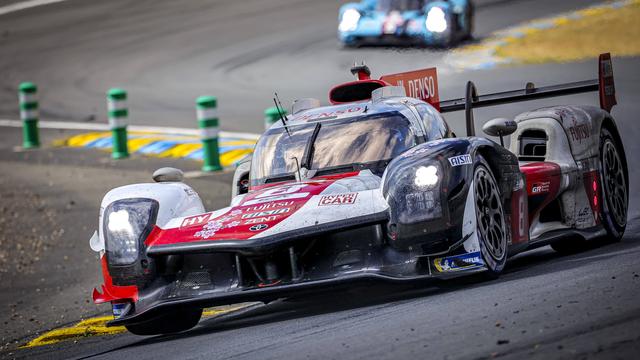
[(405, 22)]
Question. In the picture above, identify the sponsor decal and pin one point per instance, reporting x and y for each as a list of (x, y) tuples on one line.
[(258, 227), (271, 205), (576, 131), (276, 198), (332, 114), (510, 123), (584, 216), (580, 132), (539, 188), (459, 262), (460, 160), (266, 213), (210, 229), (195, 220), (420, 84), (338, 199), (233, 224), (279, 191), (213, 226), (260, 219), (118, 309)]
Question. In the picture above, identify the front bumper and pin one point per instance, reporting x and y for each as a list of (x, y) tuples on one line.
[(400, 39), (146, 309), (318, 258)]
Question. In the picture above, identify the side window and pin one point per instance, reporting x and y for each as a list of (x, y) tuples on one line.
[(435, 126)]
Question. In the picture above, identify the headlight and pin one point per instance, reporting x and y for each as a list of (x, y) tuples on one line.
[(424, 205), (349, 21), (127, 222), (423, 198), (415, 192), (426, 176), (436, 20)]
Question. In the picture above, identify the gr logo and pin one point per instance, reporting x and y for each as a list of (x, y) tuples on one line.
[(460, 160)]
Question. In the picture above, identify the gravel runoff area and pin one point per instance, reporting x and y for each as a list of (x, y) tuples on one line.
[(599, 30)]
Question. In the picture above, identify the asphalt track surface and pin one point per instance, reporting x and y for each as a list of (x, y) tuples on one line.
[(167, 53)]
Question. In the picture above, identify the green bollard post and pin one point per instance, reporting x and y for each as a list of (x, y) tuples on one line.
[(118, 113), (206, 108), (272, 116), (29, 115)]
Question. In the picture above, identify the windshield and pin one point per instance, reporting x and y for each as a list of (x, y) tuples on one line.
[(400, 5), (359, 140)]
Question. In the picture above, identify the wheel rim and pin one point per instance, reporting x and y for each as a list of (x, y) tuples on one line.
[(615, 183), (489, 213)]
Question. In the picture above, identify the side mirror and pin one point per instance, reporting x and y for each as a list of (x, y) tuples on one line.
[(500, 127), (241, 179), (168, 174)]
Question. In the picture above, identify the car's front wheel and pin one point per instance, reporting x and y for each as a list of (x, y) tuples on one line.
[(168, 323), (490, 218)]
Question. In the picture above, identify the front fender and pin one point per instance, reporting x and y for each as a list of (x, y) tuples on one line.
[(175, 199), (431, 216), (171, 199)]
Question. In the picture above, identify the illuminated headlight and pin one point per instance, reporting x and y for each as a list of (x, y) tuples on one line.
[(349, 21), (436, 20), (423, 201), (426, 176), (127, 223)]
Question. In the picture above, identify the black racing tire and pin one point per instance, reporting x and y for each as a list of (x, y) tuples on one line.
[(614, 177), (490, 218), (451, 38), (349, 46), (469, 23), (167, 323)]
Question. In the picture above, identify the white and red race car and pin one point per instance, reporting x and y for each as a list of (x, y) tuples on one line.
[(373, 187)]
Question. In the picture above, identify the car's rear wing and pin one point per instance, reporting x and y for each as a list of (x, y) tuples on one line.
[(604, 84)]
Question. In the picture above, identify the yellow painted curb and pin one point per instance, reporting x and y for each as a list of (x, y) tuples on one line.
[(181, 146), (89, 327), (98, 327)]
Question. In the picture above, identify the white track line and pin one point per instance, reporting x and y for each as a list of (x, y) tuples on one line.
[(105, 127), (25, 5)]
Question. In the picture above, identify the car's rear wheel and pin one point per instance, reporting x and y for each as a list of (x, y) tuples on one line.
[(490, 218), (168, 323), (615, 196), (615, 186)]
